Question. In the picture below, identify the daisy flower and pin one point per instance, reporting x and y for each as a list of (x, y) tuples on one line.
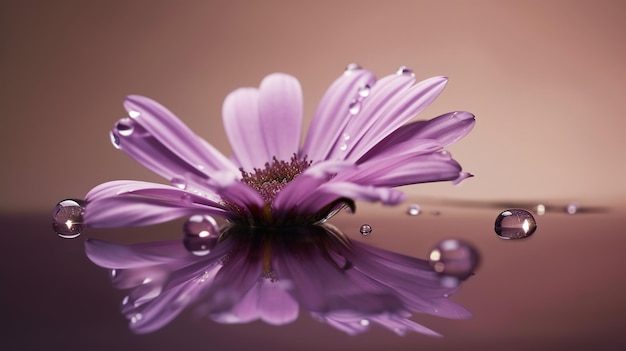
[(276, 254)]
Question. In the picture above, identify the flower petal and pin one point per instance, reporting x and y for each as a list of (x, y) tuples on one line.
[(333, 114), (398, 110), (133, 203), (175, 136), (280, 113), (116, 256)]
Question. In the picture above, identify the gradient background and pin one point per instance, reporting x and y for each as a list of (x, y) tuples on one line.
[(544, 78)]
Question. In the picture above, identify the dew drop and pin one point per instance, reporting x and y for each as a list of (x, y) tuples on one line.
[(354, 107), (136, 318), (186, 198), (346, 136), (343, 147), (404, 70), (67, 218), (125, 127), (133, 114), (365, 229), (180, 183), (364, 322), (454, 260), (413, 210), (364, 91), (200, 234), (571, 208), (351, 68), (515, 223), (115, 140)]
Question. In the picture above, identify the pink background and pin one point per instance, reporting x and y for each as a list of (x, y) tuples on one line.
[(545, 79)]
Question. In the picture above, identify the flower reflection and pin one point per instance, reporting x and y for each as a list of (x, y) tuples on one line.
[(269, 274)]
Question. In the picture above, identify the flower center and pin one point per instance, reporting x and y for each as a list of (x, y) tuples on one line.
[(271, 179)]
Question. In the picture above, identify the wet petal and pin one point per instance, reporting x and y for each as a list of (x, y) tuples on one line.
[(280, 114), (116, 256), (333, 114), (174, 136), (133, 203)]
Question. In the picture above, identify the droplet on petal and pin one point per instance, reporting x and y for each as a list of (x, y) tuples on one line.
[(200, 234), (414, 210), (186, 198), (67, 218), (343, 147), (515, 224), (364, 322), (125, 127), (354, 107), (404, 70), (133, 114), (366, 229), (454, 259), (364, 91), (351, 68), (180, 183), (571, 208)]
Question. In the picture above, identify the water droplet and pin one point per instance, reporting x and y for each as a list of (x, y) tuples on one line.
[(414, 210), (113, 273), (540, 209), (136, 318), (200, 234), (515, 223), (115, 140), (186, 198), (366, 229), (67, 218), (354, 107), (343, 147), (404, 70), (133, 114), (125, 127), (364, 322), (351, 68), (571, 208), (180, 183), (364, 91), (453, 258), (346, 136), (125, 300)]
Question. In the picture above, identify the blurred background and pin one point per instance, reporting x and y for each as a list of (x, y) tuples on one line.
[(545, 80)]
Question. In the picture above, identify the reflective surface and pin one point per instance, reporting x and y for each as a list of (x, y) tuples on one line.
[(563, 287)]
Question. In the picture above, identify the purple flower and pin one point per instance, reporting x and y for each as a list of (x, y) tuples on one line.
[(260, 274), (277, 255), (358, 147)]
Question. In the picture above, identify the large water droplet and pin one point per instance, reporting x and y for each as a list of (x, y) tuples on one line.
[(67, 218), (413, 210), (351, 68), (115, 140), (200, 234), (364, 91), (354, 107), (125, 127), (454, 259), (365, 229), (515, 223), (404, 70)]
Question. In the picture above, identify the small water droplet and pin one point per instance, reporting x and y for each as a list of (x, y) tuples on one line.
[(113, 273), (67, 218), (364, 322), (354, 107), (133, 114), (453, 258), (136, 318), (364, 91), (515, 223), (200, 234), (365, 229), (571, 208), (115, 140), (540, 209), (346, 136), (351, 68), (200, 167), (180, 183), (186, 198), (125, 127), (343, 147), (414, 210), (404, 70)]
